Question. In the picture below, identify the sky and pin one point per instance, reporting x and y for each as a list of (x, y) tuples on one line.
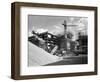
[(53, 24)]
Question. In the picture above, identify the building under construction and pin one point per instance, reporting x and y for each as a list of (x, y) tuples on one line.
[(59, 44)]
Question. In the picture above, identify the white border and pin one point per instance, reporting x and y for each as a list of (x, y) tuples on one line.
[(25, 70)]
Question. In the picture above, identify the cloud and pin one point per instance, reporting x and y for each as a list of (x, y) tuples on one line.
[(57, 30), (38, 30), (41, 30)]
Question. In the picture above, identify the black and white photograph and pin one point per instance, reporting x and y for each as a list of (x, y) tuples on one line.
[(57, 40), (53, 40)]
